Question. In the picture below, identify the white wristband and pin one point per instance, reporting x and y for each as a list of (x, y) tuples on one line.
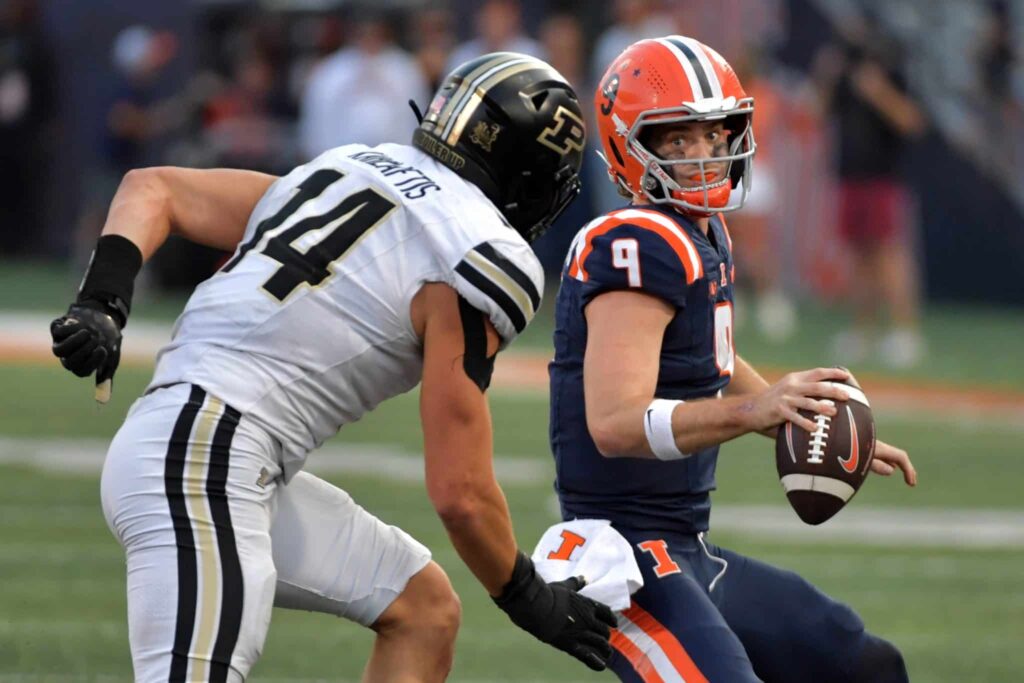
[(658, 428)]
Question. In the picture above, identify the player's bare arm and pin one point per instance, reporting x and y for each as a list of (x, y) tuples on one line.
[(745, 379), (206, 206), (878, 90), (458, 449), (620, 370), (209, 207), (767, 402), (457, 441)]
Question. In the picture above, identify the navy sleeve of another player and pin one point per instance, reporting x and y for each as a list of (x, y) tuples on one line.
[(634, 257)]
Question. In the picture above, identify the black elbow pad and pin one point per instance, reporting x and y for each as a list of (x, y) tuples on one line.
[(477, 364)]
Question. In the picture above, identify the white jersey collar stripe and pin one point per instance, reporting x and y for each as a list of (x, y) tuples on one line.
[(584, 238), (668, 224)]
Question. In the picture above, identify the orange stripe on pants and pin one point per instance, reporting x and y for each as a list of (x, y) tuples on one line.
[(641, 664), (672, 648)]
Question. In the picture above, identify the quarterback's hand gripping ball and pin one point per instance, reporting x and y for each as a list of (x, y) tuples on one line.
[(87, 339), (822, 470)]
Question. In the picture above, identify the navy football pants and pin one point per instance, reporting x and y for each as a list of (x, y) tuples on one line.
[(699, 619)]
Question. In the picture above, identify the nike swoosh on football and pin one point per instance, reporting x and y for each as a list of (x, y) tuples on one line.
[(850, 464)]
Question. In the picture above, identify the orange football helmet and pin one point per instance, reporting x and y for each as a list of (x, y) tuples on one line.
[(669, 80)]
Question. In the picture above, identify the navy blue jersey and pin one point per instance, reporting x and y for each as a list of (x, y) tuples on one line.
[(662, 253)]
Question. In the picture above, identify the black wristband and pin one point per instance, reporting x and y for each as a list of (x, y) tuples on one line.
[(524, 578), (110, 278)]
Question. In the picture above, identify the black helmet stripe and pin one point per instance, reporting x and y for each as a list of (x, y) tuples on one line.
[(702, 56), (695, 71), (469, 87)]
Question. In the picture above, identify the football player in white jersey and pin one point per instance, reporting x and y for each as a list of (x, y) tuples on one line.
[(354, 278)]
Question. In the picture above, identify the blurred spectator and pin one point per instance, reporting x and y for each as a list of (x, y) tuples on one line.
[(313, 39), (27, 120), (732, 26), (863, 91), (135, 117), (562, 40), (498, 29), (432, 37), (360, 94), (998, 56), (756, 229), (633, 20), (248, 124)]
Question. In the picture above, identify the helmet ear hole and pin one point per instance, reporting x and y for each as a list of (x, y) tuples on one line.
[(737, 126), (539, 99)]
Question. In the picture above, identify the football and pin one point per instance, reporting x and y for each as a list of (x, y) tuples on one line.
[(821, 471)]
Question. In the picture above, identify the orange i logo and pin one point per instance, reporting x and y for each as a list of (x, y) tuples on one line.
[(570, 542), (663, 564)]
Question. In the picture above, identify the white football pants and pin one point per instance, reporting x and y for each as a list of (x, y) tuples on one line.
[(214, 539)]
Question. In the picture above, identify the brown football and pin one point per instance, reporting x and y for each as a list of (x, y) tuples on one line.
[(821, 471)]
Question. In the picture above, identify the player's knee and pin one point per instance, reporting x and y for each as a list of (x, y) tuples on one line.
[(428, 609), (880, 662)]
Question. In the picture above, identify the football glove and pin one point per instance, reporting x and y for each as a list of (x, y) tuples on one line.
[(87, 339), (557, 614)]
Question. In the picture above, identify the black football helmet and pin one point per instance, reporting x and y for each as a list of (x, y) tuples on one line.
[(512, 125)]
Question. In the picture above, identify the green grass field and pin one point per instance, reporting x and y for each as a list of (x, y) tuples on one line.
[(957, 613), (967, 344)]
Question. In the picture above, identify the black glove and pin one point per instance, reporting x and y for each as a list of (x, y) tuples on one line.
[(87, 339), (557, 614)]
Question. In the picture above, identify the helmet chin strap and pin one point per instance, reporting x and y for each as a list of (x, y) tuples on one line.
[(416, 111)]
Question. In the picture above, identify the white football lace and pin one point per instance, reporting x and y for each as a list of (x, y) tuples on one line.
[(819, 438)]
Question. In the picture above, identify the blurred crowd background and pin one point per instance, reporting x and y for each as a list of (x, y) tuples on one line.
[(890, 133)]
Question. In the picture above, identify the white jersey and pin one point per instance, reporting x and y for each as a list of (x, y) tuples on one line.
[(308, 326)]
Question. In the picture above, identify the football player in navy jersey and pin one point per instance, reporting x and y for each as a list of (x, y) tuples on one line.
[(645, 386)]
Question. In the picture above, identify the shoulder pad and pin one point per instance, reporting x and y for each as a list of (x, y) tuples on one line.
[(504, 280), (635, 249)]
